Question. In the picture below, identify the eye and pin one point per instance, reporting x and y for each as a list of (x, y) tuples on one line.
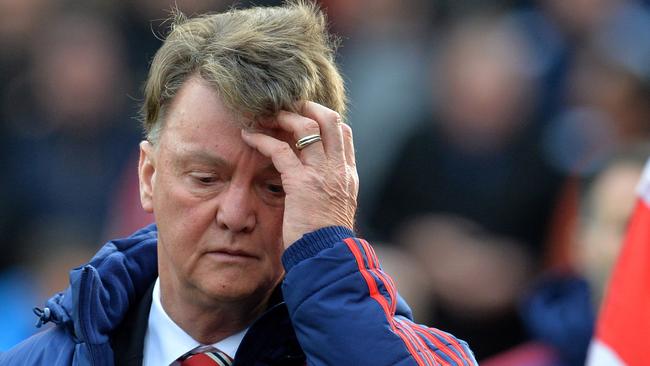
[(205, 179), (276, 189)]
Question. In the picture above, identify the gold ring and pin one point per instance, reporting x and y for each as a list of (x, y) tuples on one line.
[(306, 141)]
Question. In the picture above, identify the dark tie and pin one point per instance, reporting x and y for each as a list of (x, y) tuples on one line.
[(212, 357)]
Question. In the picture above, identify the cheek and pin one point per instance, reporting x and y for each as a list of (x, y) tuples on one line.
[(183, 215), (274, 216), (270, 223), (172, 198)]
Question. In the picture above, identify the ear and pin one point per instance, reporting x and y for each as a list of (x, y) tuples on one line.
[(147, 175)]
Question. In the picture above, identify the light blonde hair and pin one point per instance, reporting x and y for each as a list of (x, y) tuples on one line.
[(260, 60)]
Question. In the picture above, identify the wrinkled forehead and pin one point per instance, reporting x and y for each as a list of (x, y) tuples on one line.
[(199, 113), (221, 137)]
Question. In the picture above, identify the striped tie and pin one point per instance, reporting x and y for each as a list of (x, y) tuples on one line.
[(212, 357)]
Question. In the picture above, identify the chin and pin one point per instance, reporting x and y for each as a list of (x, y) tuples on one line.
[(232, 291)]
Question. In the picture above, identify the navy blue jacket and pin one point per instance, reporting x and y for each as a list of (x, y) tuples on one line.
[(338, 303)]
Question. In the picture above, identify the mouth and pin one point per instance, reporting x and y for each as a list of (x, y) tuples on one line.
[(231, 254)]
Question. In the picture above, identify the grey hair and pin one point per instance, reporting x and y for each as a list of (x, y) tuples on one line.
[(260, 60)]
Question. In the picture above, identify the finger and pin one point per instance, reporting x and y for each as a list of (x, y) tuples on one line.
[(281, 154), (348, 145), (329, 122), (301, 127)]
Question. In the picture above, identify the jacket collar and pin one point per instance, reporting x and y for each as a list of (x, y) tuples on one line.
[(101, 292)]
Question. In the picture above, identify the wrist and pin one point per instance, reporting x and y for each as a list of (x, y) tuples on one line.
[(314, 242)]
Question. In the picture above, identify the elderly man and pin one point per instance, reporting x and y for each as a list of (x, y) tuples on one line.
[(251, 176)]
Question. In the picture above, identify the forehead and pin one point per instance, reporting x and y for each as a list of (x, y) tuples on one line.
[(199, 119)]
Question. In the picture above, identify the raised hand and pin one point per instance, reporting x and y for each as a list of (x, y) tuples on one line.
[(319, 178)]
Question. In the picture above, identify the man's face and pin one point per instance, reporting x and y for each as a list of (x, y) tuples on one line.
[(218, 204)]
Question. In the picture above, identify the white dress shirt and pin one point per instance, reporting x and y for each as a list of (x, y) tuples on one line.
[(165, 341)]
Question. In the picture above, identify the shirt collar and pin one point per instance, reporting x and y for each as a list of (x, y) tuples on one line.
[(165, 341)]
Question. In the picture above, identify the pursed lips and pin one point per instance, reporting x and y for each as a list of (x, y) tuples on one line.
[(232, 253)]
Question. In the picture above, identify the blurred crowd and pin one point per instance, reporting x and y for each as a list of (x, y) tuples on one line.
[(498, 145)]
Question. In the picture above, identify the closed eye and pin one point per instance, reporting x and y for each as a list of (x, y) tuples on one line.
[(205, 178), (275, 189)]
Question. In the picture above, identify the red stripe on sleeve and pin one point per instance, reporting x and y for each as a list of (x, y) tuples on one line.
[(454, 342), (370, 253), (390, 285), (374, 293), (432, 356), (449, 352), (386, 280)]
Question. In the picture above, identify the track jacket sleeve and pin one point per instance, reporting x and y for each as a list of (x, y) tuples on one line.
[(346, 310)]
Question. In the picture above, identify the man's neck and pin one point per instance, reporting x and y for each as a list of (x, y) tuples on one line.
[(209, 321)]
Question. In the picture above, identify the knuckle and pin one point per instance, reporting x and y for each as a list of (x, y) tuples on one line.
[(282, 148), (333, 116), (346, 130), (311, 126)]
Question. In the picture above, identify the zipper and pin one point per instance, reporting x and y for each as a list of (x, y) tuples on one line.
[(84, 299)]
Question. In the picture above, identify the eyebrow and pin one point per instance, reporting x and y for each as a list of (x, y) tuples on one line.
[(201, 156), (204, 157)]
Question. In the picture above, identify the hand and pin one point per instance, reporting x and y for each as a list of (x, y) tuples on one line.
[(320, 181)]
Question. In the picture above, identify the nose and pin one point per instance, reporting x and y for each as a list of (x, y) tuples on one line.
[(236, 211)]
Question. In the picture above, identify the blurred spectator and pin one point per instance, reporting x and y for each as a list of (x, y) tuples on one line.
[(560, 309), (476, 158), (594, 58), (68, 130), (476, 165), (20, 22), (609, 110), (558, 30), (384, 58), (607, 205)]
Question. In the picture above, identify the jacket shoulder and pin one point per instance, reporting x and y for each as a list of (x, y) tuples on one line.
[(52, 346)]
